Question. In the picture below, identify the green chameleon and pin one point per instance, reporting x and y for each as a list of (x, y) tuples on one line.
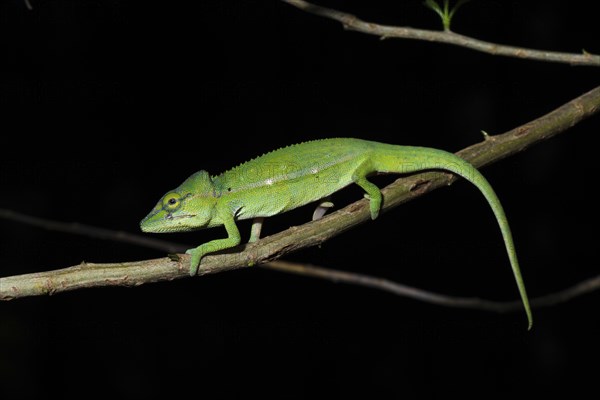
[(296, 175)]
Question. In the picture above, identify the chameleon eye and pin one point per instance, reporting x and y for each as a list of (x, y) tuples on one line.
[(171, 201)]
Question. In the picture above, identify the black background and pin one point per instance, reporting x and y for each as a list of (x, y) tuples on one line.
[(106, 105)]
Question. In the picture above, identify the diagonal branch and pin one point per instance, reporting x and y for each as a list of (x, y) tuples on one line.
[(313, 271), (492, 149), (353, 23)]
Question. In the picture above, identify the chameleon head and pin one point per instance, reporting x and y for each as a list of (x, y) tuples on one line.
[(190, 206)]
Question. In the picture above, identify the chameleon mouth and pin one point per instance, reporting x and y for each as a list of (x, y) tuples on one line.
[(162, 222)]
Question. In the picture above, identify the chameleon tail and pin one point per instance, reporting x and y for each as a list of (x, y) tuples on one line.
[(406, 159)]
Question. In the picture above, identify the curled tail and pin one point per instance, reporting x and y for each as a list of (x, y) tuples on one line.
[(407, 159)]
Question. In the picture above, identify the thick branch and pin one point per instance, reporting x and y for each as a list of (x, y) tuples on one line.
[(310, 234), (353, 23), (313, 271)]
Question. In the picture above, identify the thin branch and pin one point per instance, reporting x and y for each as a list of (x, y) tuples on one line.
[(353, 23), (351, 278), (492, 149), (399, 289), (93, 231)]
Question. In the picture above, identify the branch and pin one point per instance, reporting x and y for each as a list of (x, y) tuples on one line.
[(353, 23), (492, 149), (352, 278), (336, 276), (93, 231)]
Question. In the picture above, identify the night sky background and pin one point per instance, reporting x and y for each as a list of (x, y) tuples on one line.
[(107, 104)]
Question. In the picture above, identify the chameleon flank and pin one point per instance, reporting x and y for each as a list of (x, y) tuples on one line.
[(296, 175)]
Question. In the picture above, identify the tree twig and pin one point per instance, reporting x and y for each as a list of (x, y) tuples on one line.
[(492, 149), (399, 289), (353, 23), (93, 231)]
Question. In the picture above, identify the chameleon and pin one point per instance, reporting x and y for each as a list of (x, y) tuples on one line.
[(303, 173)]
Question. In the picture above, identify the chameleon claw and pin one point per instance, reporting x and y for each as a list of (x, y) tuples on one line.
[(194, 261), (193, 269)]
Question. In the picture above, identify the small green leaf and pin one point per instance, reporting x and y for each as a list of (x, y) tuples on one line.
[(432, 4), (456, 7), (446, 13)]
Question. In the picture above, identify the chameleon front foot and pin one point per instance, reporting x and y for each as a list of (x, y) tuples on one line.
[(257, 224), (196, 255), (213, 246)]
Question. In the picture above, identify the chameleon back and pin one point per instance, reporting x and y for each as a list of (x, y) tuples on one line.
[(292, 176)]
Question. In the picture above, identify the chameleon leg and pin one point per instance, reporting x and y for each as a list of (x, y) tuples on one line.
[(373, 194), (257, 224), (232, 240), (324, 205)]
